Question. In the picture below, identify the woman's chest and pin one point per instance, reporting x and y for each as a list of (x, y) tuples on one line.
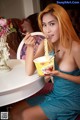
[(66, 62)]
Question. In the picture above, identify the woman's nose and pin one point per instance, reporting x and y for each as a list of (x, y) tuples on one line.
[(48, 30)]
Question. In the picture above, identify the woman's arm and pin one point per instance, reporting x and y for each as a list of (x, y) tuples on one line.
[(69, 77), (29, 64), (72, 78)]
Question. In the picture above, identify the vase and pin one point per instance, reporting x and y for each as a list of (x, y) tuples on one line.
[(4, 55)]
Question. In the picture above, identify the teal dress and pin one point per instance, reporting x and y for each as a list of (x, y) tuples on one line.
[(63, 102)]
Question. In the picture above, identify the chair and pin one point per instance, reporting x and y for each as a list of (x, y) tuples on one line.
[(22, 47), (39, 36)]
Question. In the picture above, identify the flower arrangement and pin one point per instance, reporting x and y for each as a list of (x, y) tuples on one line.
[(6, 27)]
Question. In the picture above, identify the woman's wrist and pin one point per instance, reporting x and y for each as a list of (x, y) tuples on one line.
[(29, 51), (30, 48), (59, 74)]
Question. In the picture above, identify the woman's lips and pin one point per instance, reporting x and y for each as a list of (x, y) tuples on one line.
[(51, 36)]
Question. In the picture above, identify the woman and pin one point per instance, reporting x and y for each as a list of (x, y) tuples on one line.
[(63, 102)]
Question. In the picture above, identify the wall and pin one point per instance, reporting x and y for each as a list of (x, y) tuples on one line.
[(18, 8), (31, 6), (36, 5)]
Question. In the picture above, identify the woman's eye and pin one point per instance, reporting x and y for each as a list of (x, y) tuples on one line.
[(52, 24), (44, 25)]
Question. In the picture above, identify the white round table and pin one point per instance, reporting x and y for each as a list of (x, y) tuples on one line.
[(15, 85)]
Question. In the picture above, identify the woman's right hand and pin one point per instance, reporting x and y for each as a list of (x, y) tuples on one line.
[(29, 40)]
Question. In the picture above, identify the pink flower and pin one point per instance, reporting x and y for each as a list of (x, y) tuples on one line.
[(3, 22), (6, 27)]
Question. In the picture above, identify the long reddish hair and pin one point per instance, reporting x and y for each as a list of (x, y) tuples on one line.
[(67, 32)]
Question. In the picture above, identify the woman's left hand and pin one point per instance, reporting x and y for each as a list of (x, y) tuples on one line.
[(51, 73)]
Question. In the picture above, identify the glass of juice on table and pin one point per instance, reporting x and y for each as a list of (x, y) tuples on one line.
[(43, 63)]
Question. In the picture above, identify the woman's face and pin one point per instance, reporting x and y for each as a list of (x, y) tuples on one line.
[(51, 27)]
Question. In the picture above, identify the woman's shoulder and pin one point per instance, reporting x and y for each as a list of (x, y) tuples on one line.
[(76, 53), (75, 47)]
